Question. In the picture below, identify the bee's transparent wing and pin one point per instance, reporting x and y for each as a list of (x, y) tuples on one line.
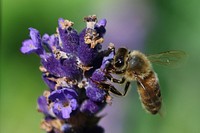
[(169, 58)]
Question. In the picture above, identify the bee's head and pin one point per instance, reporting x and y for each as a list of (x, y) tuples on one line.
[(120, 59)]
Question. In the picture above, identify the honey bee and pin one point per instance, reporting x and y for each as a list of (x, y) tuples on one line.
[(136, 66)]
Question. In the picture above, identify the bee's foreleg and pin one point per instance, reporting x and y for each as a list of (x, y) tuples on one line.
[(115, 91), (119, 81), (111, 88)]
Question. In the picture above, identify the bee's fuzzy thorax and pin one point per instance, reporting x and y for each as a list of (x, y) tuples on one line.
[(146, 65)]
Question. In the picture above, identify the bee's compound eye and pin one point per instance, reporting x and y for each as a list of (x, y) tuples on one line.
[(119, 63), (120, 58)]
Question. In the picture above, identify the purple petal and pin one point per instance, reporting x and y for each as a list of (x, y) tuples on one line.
[(86, 54), (28, 47), (63, 108), (107, 60), (57, 95), (45, 56), (66, 111), (102, 22), (64, 94), (73, 103), (48, 82), (71, 68), (95, 94), (68, 36), (60, 21), (45, 38), (54, 41), (65, 68), (98, 75), (70, 93), (53, 66), (35, 35), (34, 44), (57, 107), (91, 107), (70, 40), (42, 105), (51, 41), (100, 27)]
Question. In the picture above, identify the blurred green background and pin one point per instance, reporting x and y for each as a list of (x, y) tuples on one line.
[(151, 26)]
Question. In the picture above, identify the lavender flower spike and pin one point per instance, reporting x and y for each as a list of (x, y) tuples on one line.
[(73, 67)]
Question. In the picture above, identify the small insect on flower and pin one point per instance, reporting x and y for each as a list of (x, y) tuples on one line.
[(135, 66)]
